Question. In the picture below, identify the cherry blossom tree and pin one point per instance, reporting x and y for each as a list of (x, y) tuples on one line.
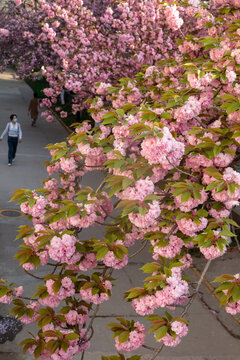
[(20, 27), (168, 141), (80, 42)]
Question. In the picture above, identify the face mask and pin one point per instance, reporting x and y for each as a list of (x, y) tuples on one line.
[(15, 120)]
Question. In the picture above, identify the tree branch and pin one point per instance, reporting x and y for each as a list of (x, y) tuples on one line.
[(34, 276), (188, 304), (197, 288), (139, 250), (181, 171)]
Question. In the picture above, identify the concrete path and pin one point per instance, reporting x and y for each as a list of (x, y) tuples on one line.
[(213, 335)]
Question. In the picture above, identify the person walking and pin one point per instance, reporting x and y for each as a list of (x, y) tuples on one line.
[(14, 131), (33, 109)]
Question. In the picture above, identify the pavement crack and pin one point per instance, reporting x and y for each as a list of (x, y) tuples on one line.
[(215, 314), (127, 275)]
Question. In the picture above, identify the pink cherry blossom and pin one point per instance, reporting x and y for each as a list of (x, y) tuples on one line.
[(136, 339)]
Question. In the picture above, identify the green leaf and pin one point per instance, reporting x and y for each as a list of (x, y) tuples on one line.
[(166, 115), (236, 293), (161, 332), (154, 317), (120, 112), (181, 320), (151, 197), (148, 115), (52, 346), (64, 345), (126, 182), (113, 357), (168, 316), (3, 291), (212, 185), (39, 349), (226, 232), (56, 286), (46, 320), (102, 252), (124, 336), (150, 267), (231, 188), (27, 344), (95, 291), (59, 153), (224, 286), (72, 211), (196, 194), (179, 191), (72, 336), (202, 213), (134, 357), (224, 277), (221, 187), (185, 196), (135, 292), (49, 333), (230, 221)]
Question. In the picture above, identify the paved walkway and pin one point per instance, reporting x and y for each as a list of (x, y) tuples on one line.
[(213, 334)]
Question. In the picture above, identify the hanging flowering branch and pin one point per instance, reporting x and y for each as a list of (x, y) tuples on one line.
[(166, 145)]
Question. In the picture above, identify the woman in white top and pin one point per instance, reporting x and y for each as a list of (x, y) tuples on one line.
[(14, 131)]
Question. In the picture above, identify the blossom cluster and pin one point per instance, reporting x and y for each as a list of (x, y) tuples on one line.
[(180, 329), (174, 292), (136, 339)]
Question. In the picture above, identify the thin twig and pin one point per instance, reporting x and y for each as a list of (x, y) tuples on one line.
[(166, 220), (55, 268), (83, 353), (91, 334), (197, 288), (188, 304), (106, 224), (92, 319), (181, 171), (94, 166), (97, 307), (101, 186), (157, 351), (149, 347), (139, 250), (53, 264), (34, 276), (25, 298), (170, 232), (234, 232), (116, 204)]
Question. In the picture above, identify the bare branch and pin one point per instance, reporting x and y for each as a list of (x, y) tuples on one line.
[(197, 288), (139, 250), (34, 276), (181, 171)]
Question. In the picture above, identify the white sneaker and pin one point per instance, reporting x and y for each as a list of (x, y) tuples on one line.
[(9, 164)]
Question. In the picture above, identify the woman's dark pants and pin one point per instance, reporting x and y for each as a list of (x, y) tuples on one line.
[(12, 148)]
